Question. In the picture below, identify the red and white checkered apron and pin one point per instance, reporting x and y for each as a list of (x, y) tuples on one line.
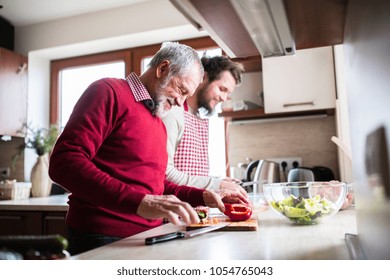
[(192, 153)]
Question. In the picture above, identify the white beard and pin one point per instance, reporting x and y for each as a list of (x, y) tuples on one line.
[(159, 110)]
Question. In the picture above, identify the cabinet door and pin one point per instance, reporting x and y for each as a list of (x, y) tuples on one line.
[(54, 223), (13, 92), (20, 223), (301, 82)]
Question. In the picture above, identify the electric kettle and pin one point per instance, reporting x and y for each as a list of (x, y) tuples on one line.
[(262, 171)]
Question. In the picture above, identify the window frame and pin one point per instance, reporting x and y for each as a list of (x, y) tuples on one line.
[(56, 66)]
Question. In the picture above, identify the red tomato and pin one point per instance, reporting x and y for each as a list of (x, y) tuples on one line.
[(238, 212)]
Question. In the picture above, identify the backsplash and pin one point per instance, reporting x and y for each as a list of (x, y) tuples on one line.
[(308, 139), (7, 150)]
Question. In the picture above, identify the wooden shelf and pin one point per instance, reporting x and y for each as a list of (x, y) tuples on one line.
[(260, 114)]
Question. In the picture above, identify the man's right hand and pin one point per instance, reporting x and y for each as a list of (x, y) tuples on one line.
[(169, 207)]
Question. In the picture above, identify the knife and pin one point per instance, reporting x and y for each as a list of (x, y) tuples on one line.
[(181, 234), (244, 184)]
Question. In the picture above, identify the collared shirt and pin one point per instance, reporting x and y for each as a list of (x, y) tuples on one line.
[(139, 91)]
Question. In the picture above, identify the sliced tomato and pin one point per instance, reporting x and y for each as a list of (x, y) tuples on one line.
[(238, 212)]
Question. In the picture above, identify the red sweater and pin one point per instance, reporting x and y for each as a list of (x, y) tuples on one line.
[(112, 153)]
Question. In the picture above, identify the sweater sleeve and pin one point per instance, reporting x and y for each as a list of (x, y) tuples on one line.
[(174, 123), (193, 196)]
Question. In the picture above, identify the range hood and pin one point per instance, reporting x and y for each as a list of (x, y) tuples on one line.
[(242, 28)]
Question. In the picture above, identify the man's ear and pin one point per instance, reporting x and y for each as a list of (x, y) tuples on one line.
[(205, 76), (163, 69)]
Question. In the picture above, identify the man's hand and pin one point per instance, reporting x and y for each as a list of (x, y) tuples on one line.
[(232, 184), (167, 206), (216, 199)]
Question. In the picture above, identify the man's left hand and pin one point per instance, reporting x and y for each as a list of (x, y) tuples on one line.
[(215, 199), (232, 184)]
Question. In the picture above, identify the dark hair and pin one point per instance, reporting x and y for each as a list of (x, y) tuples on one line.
[(214, 66)]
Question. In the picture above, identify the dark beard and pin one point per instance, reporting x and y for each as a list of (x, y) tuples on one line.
[(204, 104)]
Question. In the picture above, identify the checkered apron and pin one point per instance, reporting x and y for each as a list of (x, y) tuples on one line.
[(192, 153)]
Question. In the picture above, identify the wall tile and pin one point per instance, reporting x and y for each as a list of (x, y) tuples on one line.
[(308, 139)]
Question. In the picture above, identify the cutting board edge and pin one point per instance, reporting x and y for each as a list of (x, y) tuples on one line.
[(249, 225)]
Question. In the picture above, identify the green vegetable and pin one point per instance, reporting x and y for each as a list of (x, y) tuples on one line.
[(202, 215), (302, 210)]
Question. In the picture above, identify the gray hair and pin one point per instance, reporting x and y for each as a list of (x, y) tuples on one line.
[(182, 58)]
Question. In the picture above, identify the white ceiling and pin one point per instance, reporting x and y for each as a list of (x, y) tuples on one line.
[(26, 12)]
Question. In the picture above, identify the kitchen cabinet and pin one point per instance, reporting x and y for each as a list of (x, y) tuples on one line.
[(32, 222), (301, 82), (35, 216), (13, 92)]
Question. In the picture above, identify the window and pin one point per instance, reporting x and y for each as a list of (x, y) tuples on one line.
[(74, 81)]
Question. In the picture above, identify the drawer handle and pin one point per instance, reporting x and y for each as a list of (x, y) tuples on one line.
[(10, 217), (54, 218), (298, 104)]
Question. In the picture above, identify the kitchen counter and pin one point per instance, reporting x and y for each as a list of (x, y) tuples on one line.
[(49, 203), (275, 239)]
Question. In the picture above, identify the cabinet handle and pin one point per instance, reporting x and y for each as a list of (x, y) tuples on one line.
[(54, 218), (298, 104), (10, 217)]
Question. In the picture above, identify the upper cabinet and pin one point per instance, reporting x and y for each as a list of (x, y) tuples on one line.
[(302, 82), (13, 92)]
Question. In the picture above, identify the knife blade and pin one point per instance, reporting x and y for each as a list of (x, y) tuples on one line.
[(182, 234), (245, 184)]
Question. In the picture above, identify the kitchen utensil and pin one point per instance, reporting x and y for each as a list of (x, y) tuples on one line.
[(300, 174), (267, 171), (264, 171), (182, 234), (245, 184)]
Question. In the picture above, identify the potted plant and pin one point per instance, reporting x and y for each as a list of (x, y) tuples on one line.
[(41, 140)]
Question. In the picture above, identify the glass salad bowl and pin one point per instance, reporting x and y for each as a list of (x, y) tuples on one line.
[(306, 203)]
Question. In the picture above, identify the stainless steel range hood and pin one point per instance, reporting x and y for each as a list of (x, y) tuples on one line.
[(242, 27)]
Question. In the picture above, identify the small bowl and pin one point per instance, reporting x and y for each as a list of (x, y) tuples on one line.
[(306, 203)]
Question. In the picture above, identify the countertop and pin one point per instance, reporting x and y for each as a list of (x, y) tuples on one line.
[(49, 203), (275, 239)]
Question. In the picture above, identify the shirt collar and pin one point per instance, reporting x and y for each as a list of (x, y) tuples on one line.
[(139, 91)]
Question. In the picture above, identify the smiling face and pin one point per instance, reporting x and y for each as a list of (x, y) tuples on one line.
[(209, 95), (173, 90)]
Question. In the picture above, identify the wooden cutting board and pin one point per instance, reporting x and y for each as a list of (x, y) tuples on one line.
[(248, 225)]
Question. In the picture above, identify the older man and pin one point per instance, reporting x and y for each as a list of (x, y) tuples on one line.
[(111, 155), (188, 127)]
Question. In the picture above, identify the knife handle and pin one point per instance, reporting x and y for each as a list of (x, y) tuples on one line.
[(164, 237)]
